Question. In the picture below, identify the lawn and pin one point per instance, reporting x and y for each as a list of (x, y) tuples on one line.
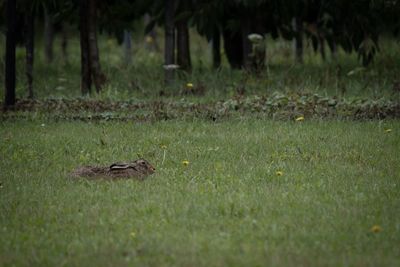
[(256, 192)]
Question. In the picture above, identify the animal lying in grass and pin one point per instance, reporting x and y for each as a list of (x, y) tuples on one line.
[(138, 169)]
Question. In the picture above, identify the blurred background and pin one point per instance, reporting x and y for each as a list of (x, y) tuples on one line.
[(151, 49)]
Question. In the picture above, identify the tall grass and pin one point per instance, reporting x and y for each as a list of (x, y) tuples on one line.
[(143, 79)]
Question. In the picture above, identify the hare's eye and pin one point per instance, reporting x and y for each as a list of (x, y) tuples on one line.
[(143, 163)]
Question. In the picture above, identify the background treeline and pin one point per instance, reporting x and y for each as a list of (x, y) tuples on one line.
[(353, 26)]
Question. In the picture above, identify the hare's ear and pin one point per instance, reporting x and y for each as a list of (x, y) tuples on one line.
[(119, 166), (141, 161)]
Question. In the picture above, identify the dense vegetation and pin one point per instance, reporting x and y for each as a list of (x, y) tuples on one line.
[(348, 27)]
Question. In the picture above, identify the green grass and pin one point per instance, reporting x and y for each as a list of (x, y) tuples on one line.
[(144, 79), (227, 208)]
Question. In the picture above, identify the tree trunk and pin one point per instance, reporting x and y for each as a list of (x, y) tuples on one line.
[(298, 39), (216, 48), (94, 58), (246, 44), (127, 47), (233, 48), (183, 49), (48, 37), (29, 46), (86, 76), (169, 49), (321, 41), (64, 44), (10, 54), (151, 38), (154, 44), (334, 50)]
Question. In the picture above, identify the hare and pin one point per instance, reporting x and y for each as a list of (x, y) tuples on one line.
[(138, 169)]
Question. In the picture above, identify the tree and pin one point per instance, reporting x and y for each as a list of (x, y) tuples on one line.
[(235, 20), (296, 13), (11, 9), (151, 36), (29, 46), (98, 76), (48, 35), (64, 43), (86, 75), (206, 16), (233, 36), (183, 48), (216, 48), (298, 39), (169, 48), (127, 47), (90, 61)]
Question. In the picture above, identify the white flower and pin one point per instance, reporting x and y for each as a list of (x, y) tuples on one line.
[(255, 37), (171, 67)]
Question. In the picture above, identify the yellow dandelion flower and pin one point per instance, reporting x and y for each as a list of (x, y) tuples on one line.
[(185, 162), (218, 167), (189, 85), (163, 146), (110, 42), (388, 130), (301, 118), (279, 173), (133, 234), (376, 229), (149, 39)]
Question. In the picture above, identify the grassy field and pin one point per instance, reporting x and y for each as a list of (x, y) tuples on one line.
[(255, 193), (260, 188)]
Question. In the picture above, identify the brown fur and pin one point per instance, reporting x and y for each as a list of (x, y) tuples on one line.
[(138, 169)]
